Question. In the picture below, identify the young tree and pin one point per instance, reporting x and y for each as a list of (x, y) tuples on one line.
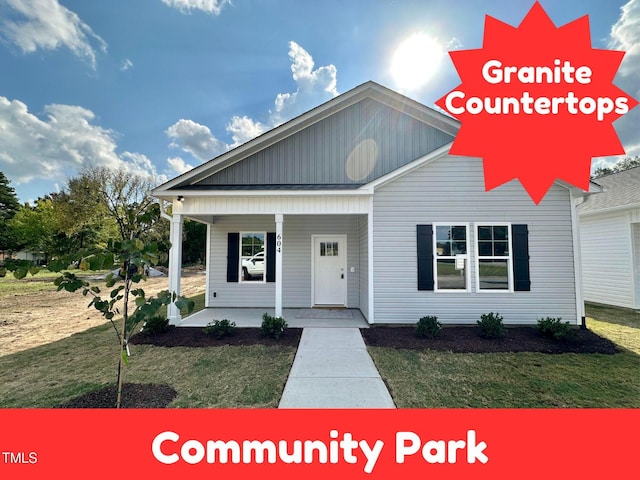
[(124, 306), (9, 205), (126, 199)]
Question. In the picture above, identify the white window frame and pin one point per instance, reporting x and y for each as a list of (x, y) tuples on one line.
[(479, 257), (240, 256), (436, 257)]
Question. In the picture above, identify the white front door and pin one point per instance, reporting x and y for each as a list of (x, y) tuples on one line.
[(330, 270)]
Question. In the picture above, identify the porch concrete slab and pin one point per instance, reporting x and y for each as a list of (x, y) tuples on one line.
[(332, 369), (295, 317), (336, 393)]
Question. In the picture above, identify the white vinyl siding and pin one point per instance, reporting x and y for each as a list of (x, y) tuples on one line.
[(296, 259), (607, 268), (451, 190), (636, 259)]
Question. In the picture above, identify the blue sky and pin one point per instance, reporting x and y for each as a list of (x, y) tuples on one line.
[(159, 86)]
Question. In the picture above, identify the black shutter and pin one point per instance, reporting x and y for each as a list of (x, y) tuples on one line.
[(233, 256), (271, 257), (425, 257), (521, 280)]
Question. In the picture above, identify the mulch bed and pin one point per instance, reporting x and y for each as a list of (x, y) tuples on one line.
[(467, 340), (134, 395), (195, 337)]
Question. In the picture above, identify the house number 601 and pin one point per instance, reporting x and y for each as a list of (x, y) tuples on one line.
[(279, 243)]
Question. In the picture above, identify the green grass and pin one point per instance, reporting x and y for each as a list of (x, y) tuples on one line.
[(40, 282), (254, 376), (218, 377), (619, 325), (429, 379)]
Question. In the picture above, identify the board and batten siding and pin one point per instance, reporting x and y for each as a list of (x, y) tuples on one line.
[(451, 190), (607, 260), (353, 146), (296, 259)]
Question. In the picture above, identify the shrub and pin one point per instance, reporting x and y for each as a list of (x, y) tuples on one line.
[(428, 327), (220, 328), (491, 325), (273, 327), (156, 325), (554, 328)]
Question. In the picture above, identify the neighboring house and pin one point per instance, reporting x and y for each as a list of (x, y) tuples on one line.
[(358, 204), (610, 241), (35, 257)]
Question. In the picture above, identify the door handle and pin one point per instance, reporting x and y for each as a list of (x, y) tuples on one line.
[(342, 276)]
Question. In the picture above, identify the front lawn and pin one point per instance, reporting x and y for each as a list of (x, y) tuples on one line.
[(431, 379), (221, 377)]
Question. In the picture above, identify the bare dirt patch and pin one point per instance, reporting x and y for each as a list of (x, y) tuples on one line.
[(31, 319)]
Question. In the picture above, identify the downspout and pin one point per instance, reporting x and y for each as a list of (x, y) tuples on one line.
[(577, 259), (163, 212)]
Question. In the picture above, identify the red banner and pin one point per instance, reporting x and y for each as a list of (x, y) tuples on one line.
[(294, 444)]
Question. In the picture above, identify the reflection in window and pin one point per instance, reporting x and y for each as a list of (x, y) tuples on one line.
[(252, 257), (328, 249), (493, 257), (451, 257)]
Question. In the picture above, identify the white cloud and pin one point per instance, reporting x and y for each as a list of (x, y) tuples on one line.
[(625, 35), (243, 129), (195, 139), (126, 65), (313, 88), (208, 6), (59, 145), (45, 24), (178, 165)]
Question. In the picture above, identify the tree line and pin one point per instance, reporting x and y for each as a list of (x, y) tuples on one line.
[(619, 166), (93, 207)]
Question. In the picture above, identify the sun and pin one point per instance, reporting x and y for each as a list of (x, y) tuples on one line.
[(415, 61)]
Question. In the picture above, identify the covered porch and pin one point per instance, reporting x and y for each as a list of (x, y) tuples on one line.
[(287, 256), (295, 317)]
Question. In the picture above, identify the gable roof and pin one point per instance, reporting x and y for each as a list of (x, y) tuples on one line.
[(621, 190), (368, 90)]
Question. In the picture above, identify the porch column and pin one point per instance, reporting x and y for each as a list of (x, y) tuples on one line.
[(175, 265), (279, 243)]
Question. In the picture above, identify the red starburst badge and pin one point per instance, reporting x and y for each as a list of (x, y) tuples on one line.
[(537, 103)]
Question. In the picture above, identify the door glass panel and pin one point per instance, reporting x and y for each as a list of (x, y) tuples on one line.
[(328, 249)]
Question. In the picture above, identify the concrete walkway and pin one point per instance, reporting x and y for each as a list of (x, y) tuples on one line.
[(332, 369)]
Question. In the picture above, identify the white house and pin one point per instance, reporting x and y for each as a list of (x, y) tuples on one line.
[(610, 241), (357, 204)]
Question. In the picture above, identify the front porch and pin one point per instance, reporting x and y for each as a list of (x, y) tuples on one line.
[(295, 317)]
